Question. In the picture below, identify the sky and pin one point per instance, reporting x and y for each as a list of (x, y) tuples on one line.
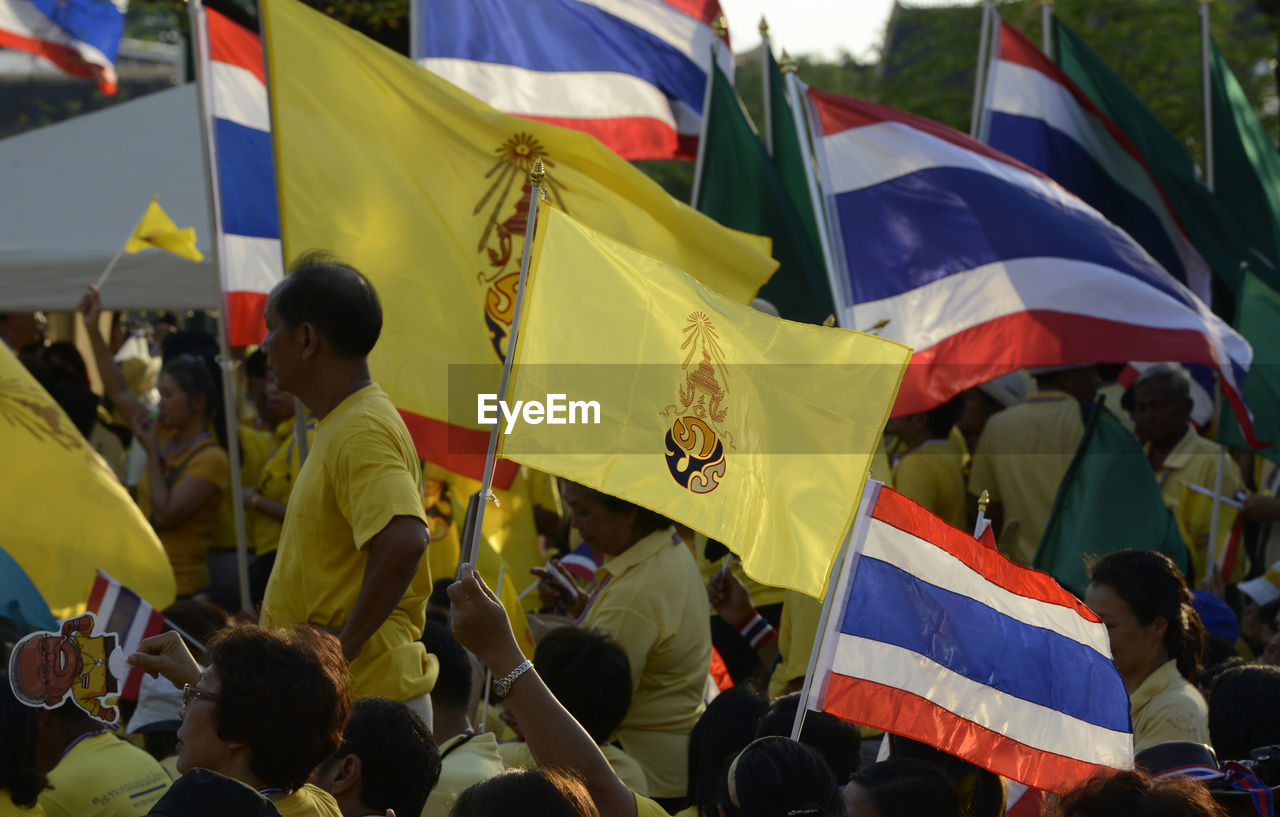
[(823, 27)]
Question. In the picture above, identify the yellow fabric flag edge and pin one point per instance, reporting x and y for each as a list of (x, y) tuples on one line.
[(169, 237), (535, 259)]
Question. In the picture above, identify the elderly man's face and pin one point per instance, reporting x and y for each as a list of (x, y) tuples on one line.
[(48, 666), (1159, 414)]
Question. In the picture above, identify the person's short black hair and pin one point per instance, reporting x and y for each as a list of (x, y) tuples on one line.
[(453, 682), (589, 674), (190, 342), (725, 728), (333, 296), (284, 693), (1244, 710), (775, 775), (399, 761), (548, 792), (942, 418), (255, 365), (839, 742), (907, 787)]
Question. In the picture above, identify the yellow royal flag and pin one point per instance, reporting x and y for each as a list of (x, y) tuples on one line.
[(156, 229), (633, 378), (65, 515), (425, 189)]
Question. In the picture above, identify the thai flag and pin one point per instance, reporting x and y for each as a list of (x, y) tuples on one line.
[(238, 132), (79, 36), (121, 611), (940, 639), (633, 73), (1035, 113), (984, 266)]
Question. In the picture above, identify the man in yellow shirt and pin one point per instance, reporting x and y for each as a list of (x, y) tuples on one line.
[(1025, 451), (352, 547), (1185, 464), (928, 471)]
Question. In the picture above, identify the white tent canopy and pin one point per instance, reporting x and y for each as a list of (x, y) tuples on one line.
[(73, 192)]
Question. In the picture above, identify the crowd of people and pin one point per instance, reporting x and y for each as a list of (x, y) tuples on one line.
[(663, 682)]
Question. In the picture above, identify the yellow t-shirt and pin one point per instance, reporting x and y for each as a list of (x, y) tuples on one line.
[(1166, 707), (647, 808), (9, 809), (277, 477), (1021, 458), (930, 475), (104, 776), (653, 604), (464, 762), (187, 544), (308, 801), (796, 630), (255, 445), (517, 755), (361, 473), (1194, 460)]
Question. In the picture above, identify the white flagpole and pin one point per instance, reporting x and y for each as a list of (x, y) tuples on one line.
[(536, 176), (698, 169), (766, 54), (816, 200), (980, 75), (1206, 79), (983, 502), (1211, 563), (846, 564), (230, 414), (1046, 27)]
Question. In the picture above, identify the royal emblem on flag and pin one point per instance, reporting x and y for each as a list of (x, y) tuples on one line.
[(501, 239), (695, 442)]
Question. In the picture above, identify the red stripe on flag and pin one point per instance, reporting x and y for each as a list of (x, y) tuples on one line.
[(100, 585), (634, 138), (133, 683), (894, 509), (839, 113), (245, 324), (68, 59), (455, 448), (902, 713), (234, 45)]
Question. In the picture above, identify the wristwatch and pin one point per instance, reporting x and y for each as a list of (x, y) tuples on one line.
[(501, 686)]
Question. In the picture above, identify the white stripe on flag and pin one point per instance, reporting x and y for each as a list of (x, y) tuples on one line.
[(22, 17), (108, 603), (137, 628), (936, 566), (685, 34), (252, 264), (239, 96), (568, 94), (1028, 723)]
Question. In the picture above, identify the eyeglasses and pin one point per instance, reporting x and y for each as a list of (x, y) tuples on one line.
[(190, 694)]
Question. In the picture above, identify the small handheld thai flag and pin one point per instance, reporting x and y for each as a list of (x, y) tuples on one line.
[(123, 612), (938, 638)]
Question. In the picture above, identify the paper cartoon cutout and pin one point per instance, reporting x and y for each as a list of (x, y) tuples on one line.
[(48, 668)]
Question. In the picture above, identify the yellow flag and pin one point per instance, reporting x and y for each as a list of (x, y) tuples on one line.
[(1194, 515), (156, 229), (65, 515), (425, 189), (755, 431)]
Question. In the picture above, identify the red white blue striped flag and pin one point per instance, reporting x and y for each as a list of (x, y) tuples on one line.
[(121, 611), (983, 265), (633, 73), (938, 638), (246, 214)]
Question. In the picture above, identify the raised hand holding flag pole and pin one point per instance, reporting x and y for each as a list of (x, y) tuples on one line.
[(156, 229)]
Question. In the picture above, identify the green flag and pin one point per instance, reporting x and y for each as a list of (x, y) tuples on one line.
[(1207, 222), (1108, 501), (1258, 319), (742, 189), (787, 156)]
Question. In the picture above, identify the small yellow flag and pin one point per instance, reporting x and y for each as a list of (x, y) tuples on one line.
[(156, 229), (635, 379)]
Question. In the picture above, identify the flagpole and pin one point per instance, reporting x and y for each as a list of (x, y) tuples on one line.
[(719, 28), (225, 364), (980, 75), (766, 54), (1211, 563), (1046, 27), (983, 502), (788, 69), (1206, 81), (536, 175), (841, 577)]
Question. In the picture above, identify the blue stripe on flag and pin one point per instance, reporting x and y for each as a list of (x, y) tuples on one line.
[(967, 637), (100, 24), (936, 222), (246, 180), (123, 613), (557, 35), (1057, 155)]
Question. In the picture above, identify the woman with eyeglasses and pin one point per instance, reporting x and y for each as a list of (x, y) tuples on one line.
[(269, 709)]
